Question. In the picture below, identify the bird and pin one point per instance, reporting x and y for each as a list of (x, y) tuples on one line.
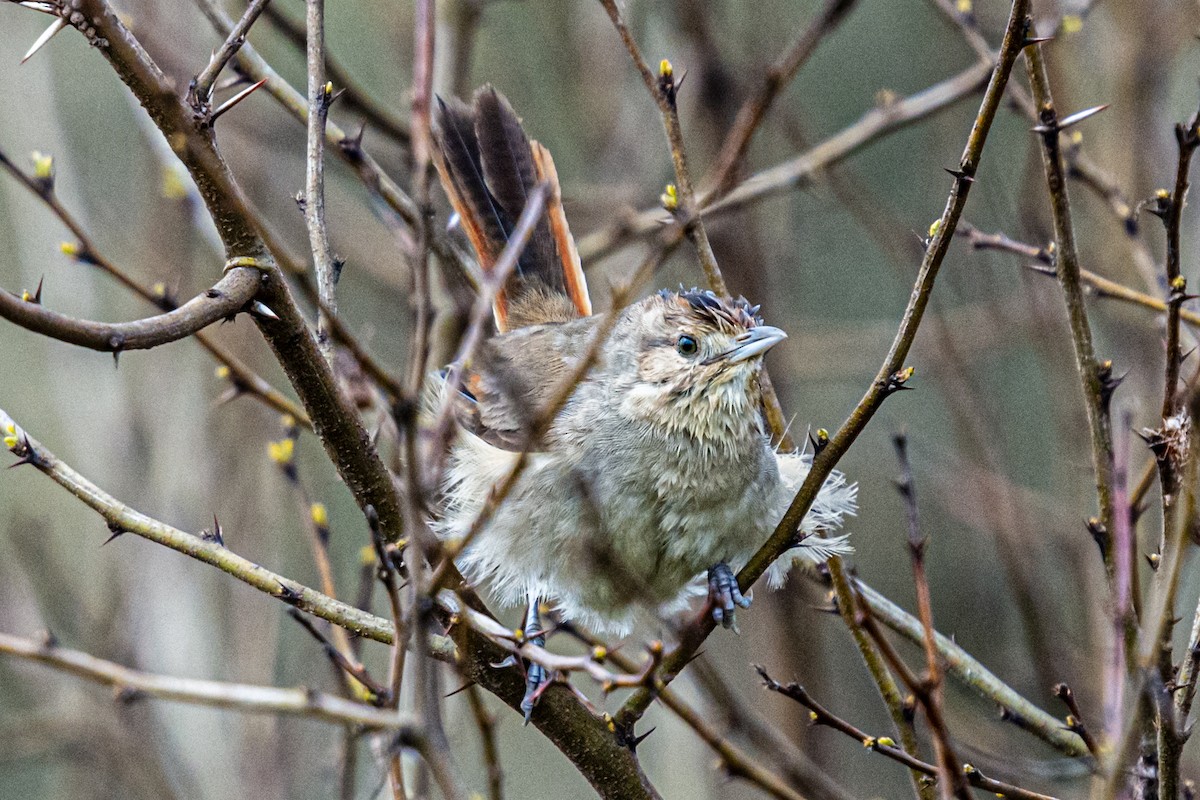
[(656, 480)]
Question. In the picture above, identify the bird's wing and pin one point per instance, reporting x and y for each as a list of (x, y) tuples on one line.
[(516, 375)]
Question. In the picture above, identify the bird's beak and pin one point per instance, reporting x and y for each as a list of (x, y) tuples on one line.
[(753, 343)]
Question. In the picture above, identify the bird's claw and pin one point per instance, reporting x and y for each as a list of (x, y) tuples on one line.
[(726, 595), (537, 678)]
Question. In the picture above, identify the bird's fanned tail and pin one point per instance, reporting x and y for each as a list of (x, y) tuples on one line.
[(489, 167)]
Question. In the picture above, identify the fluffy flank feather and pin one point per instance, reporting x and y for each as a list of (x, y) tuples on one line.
[(836, 500)]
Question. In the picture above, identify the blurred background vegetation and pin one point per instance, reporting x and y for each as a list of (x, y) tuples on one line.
[(998, 436)]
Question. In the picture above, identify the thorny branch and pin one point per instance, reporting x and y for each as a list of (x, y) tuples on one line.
[(201, 89), (1095, 378), (1097, 284), (1171, 446), (231, 295)]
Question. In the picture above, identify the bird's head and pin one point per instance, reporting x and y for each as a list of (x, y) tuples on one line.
[(697, 362)]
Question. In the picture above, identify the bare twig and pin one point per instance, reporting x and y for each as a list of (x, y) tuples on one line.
[(822, 716), (1075, 718), (1097, 284), (320, 95), (800, 772), (973, 674), (202, 87), (132, 684), (738, 719), (353, 98), (477, 327), (343, 661), (349, 147), (427, 696), (334, 416), (889, 690), (1120, 726), (1171, 447), (123, 519), (486, 723), (682, 201), (928, 691), (797, 172), (585, 740), (777, 77), (662, 89)]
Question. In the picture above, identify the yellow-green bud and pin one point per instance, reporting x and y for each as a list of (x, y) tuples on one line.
[(282, 452), (43, 166), (670, 197)]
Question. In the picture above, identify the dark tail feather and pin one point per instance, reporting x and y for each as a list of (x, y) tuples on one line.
[(461, 170), (511, 176), (489, 167)]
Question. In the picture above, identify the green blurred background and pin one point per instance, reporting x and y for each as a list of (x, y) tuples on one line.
[(998, 436)]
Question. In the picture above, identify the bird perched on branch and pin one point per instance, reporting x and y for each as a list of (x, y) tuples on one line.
[(657, 470)]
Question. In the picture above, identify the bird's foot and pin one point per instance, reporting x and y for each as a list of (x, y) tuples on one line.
[(537, 677), (725, 595), (537, 680)]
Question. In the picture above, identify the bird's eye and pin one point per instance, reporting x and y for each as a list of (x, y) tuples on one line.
[(687, 346)]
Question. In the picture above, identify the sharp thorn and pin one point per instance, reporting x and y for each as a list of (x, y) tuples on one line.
[(636, 740), (46, 36), (259, 309), (462, 688), (1080, 116), (38, 5), (1036, 40), (233, 101), (37, 295)]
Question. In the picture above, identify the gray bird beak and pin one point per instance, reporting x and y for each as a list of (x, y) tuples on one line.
[(753, 343)]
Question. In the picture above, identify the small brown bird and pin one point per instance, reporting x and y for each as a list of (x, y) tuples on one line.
[(658, 469)]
